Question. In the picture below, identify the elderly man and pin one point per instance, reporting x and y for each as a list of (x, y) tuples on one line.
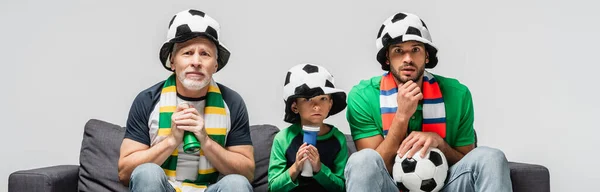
[(185, 131)]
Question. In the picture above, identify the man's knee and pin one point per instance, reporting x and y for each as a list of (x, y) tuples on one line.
[(488, 154), (366, 161), (486, 158), (362, 156), (235, 182), (148, 173)]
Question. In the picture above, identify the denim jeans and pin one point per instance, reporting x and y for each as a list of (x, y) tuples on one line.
[(151, 177), (483, 169)]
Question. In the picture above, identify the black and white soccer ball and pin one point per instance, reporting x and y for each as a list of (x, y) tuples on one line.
[(308, 80), (421, 174)]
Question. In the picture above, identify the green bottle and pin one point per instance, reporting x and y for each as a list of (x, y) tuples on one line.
[(190, 143)]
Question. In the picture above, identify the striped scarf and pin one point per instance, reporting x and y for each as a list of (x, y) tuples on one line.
[(216, 123), (434, 112)]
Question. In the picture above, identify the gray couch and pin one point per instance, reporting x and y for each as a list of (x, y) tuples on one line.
[(97, 169)]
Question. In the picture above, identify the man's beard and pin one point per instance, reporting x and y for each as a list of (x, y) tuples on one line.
[(193, 85), (398, 77)]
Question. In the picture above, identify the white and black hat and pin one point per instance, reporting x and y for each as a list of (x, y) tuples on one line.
[(307, 81), (400, 28), (187, 25)]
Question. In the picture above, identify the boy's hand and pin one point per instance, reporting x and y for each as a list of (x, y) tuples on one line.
[(313, 158)]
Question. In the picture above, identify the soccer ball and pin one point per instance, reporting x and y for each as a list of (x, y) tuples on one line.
[(421, 174)]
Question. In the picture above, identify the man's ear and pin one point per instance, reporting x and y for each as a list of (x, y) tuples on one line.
[(387, 57), (171, 61), (171, 55), (426, 57)]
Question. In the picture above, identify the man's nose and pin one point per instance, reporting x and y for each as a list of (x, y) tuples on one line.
[(407, 58), (196, 61)]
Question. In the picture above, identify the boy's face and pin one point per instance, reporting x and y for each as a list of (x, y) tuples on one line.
[(313, 110)]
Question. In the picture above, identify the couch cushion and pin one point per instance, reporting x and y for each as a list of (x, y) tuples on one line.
[(99, 156), (262, 140), (529, 177), (49, 179), (350, 144)]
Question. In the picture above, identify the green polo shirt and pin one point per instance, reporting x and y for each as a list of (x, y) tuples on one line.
[(364, 116)]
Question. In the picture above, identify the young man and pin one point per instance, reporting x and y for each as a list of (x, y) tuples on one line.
[(409, 109), (188, 103), (310, 98)]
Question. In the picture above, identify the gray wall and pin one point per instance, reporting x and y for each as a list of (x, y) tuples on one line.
[(529, 65)]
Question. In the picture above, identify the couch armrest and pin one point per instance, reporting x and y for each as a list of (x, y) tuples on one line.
[(55, 178), (529, 177)]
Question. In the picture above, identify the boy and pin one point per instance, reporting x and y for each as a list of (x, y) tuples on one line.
[(310, 98)]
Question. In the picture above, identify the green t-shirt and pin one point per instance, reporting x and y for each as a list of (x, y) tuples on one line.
[(364, 117), (333, 154)]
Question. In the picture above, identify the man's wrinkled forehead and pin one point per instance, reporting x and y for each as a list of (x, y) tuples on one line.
[(200, 39)]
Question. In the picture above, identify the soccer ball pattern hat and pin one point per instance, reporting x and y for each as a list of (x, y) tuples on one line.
[(400, 28), (307, 81), (187, 25)]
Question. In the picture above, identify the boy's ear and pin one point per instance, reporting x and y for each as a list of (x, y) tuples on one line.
[(294, 107)]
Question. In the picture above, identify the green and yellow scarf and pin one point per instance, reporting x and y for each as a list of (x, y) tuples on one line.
[(216, 123)]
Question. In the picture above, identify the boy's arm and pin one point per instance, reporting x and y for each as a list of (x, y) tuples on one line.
[(333, 179), (278, 175)]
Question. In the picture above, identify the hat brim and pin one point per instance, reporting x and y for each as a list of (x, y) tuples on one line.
[(167, 48), (338, 97), (431, 51)]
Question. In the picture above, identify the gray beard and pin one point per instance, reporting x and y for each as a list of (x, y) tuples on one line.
[(191, 84)]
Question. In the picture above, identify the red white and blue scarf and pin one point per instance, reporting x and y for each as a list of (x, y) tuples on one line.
[(434, 112)]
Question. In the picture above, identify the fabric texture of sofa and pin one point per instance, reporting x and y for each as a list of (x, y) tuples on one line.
[(97, 169)]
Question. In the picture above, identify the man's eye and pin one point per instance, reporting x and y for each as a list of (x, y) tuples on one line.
[(204, 54), (416, 49), (397, 50)]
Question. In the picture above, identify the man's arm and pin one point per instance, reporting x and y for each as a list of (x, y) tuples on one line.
[(408, 97), (237, 156), (135, 149), (467, 136), (387, 147), (237, 159), (134, 153), (422, 140)]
